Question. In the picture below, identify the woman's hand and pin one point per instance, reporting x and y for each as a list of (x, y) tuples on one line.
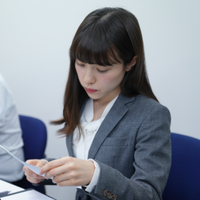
[(31, 176), (69, 171)]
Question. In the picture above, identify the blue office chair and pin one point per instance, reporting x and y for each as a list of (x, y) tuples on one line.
[(184, 177), (34, 135)]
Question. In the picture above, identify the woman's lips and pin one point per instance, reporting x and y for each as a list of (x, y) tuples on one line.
[(90, 90)]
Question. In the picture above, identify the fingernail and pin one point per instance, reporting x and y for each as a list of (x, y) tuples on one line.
[(53, 181)]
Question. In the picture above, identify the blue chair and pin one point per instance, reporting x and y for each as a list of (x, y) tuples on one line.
[(184, 177), (34, 134)]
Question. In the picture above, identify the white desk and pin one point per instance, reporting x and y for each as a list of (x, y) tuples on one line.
[(17, 193), (5, 186)]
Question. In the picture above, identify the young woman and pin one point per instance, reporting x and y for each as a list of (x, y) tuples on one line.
[(118, 134)]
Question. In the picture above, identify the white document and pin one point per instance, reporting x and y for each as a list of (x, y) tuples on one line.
[(27, 195), (31, 167), (4, 186)]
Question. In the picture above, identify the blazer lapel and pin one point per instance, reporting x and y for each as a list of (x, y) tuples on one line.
[(113, 117), (69, 141)]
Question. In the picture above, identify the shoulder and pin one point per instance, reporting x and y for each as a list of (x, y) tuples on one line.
[(145, 107), (3, 85), (140, 102), (148, 103), (6, 98), (152, 112)]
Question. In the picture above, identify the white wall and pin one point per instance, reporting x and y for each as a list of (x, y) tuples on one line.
[(35, 37)]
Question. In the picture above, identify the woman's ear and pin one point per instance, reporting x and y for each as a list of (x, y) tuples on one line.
[(131, 64)]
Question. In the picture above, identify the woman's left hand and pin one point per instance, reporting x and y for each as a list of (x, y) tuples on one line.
[(69, 171)]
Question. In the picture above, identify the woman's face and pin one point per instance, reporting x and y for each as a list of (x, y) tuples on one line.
[(101, 83)]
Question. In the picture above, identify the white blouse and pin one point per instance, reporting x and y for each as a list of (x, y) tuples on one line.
[(82, 145)]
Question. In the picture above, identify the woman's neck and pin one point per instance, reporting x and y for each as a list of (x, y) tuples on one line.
[(99, 107)]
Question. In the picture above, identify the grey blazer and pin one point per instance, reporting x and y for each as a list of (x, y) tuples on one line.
[(133, 150)]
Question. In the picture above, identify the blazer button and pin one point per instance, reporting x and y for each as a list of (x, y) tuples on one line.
[(105, 192), (109, 195), (114, 197)]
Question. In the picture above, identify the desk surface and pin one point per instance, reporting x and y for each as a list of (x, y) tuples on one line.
[(17, 193), (5, 186)]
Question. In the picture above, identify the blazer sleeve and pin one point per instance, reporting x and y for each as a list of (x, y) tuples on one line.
[(152, 161)]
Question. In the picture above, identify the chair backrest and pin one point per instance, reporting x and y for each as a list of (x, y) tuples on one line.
[(184, 177), (34, 134)]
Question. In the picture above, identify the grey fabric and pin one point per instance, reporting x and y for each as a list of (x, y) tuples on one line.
[(133, 150)]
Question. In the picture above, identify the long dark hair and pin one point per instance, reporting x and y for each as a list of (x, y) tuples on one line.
[(105, 35)]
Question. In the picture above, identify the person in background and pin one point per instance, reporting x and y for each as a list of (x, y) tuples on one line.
[(117, 133), (10, 137)]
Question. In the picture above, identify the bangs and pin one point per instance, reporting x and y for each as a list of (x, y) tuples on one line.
[(94, 46)]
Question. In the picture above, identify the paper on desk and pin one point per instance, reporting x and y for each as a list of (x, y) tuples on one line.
[(27, 195), (4, 186), (31, 167)]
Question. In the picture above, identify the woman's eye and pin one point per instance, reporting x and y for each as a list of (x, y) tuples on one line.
[(80, 64), (102, 71)]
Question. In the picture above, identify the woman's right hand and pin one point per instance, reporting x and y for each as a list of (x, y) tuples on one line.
[(31, 176)]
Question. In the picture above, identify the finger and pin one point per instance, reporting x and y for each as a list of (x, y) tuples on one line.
[(29, 173), (32, 177), (41, 163), (51, 165), (57, 171), (61, 177), (32, 162), (37, 163), (68, 182), (27, 170)]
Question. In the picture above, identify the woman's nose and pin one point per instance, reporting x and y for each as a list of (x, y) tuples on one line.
[(89, 77)]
